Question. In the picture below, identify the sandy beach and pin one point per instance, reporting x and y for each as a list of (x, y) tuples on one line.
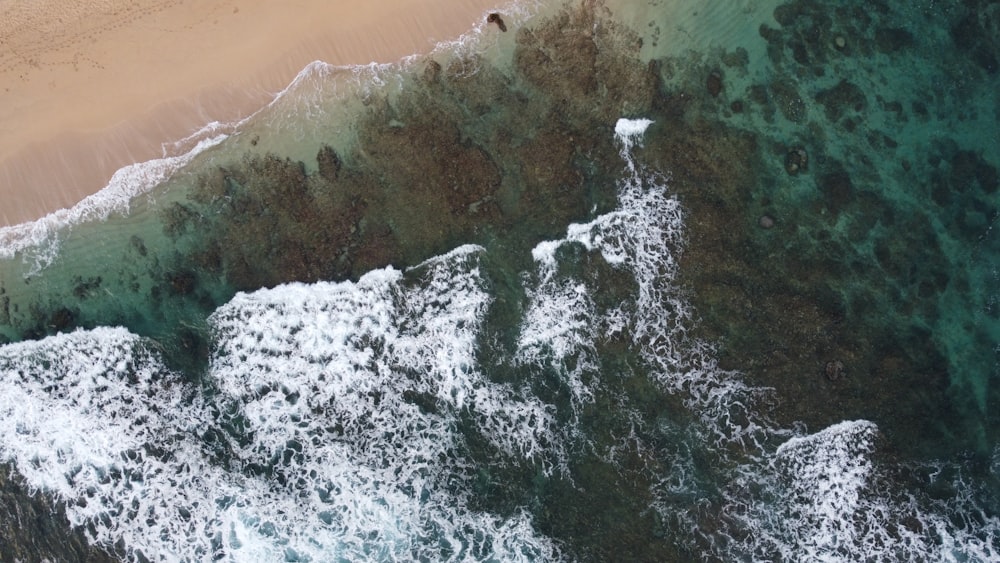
[(89, 86)]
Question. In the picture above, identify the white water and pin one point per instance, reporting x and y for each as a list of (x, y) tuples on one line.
[(824, 497), (324, 377), (38, 241), (316, 107), (335, 421)]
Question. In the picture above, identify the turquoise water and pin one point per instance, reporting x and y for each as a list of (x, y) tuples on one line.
[(656, 281)]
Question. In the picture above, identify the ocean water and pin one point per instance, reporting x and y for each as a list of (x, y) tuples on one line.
[(648, 281)]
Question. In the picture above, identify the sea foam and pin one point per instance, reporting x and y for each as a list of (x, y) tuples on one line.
[(817, 497), (335, 421), (334, 430), (644, 237), (364, 431), (825, 497), (38, 241)]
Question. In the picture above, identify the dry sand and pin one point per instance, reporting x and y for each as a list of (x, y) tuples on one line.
[(89, 86)]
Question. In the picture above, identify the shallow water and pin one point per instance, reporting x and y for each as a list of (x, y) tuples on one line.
[(640, 281)]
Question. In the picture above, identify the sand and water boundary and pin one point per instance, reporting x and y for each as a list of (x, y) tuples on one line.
[(87, 87)]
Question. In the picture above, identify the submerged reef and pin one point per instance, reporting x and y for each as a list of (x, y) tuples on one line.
[(844, 237), (838, 244), (467, 152)]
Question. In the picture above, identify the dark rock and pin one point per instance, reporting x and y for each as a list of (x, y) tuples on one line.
[(834, 370), (495, 18), (890, 40), (986, 174), (838, 190), (769, 34), (786, 97), (966, 32), (714, 83), (737, 106), (787, 14), (62, 319), (941, 192), (986, 59), (181, 283), (432, 73), (138, 245), (82, 288), (896, 108), (796, 161), (329, 162), (736, 59), (969, 169), (758, 94), (775, 43), (799, 52), (837, 101), (963, 170), (575, 72), (177, 218), (977, 36)]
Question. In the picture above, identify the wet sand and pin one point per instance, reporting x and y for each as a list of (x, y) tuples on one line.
[(89, 86)]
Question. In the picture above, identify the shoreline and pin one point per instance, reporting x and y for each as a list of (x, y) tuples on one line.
[(88, 95)]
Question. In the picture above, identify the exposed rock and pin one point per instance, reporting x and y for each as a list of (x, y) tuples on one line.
[(495, 18)]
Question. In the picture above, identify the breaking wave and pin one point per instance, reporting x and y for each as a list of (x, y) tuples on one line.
[(347, 420), (38, 241), (333, 429)]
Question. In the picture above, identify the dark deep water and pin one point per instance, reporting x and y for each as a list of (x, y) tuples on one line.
[(652, 282)]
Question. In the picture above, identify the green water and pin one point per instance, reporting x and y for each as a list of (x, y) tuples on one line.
[(836, 165)]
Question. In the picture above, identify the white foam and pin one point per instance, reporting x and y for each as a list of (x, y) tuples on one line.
[(38, 241), (629, 133), (346, 400), (559, 332), (643, 237), (825, 475), (87, 416), (382, 369), (340, 413), (817, 497), (823, 497)]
